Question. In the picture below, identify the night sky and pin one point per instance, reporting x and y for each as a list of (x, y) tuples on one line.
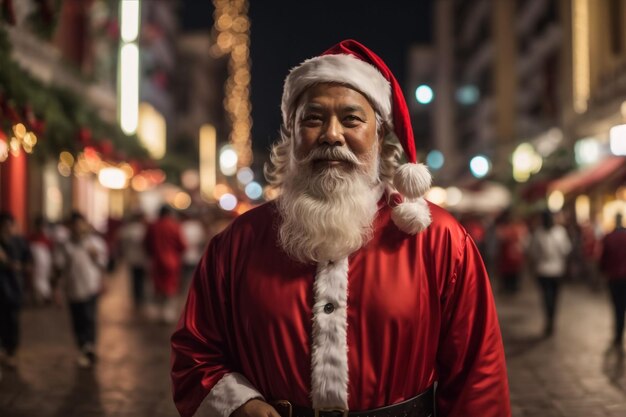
[(286, 32)]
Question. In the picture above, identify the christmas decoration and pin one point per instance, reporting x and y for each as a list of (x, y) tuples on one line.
[(54, 119)]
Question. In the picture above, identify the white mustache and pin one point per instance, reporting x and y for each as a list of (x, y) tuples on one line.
[(331, 153)]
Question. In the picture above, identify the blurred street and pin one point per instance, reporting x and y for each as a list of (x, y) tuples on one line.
[(131, 377), (569, 375), (133, 131)]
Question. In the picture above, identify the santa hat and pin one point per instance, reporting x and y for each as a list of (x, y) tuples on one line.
[(352, 64)]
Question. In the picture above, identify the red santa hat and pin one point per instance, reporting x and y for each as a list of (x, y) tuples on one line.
[(352, 64)]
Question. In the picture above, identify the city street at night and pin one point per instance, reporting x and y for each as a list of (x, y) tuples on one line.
[(393, 209), (569, 375)]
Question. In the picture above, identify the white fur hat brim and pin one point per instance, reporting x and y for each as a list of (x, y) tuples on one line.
[(341, 69)]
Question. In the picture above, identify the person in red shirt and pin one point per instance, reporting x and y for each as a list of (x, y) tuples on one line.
[(350, 295), (165, 245), (613, 265), (510, 260)]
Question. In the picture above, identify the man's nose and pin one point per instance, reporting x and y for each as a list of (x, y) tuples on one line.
[(333, 134)]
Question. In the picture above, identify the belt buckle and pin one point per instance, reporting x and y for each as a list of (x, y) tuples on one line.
[(285, 403), (343, 411)]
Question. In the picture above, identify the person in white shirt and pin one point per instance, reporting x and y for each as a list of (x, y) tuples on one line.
[(82, 260), (132, 237), (41, 250), (548, 251), (194, 235)]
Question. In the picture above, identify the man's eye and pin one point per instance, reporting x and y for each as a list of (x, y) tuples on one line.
[(352, 119), (312, 118)]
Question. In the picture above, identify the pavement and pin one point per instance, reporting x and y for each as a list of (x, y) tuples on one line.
[(571, 374), (574, 373)]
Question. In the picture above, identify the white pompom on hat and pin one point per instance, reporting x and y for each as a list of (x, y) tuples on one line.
[(352, 64)]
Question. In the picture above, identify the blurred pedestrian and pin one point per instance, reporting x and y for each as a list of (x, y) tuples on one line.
[(82, 261), (41, 249), (548, 251), (591, 239), (511, 237), (132, 236), (14, 261), (613, 265), (474, 225), (194, 236), (165, 246), (111, 237)]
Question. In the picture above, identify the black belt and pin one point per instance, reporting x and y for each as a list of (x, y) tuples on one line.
[(422, 405)]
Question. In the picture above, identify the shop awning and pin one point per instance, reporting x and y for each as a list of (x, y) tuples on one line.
[(482, 197), (609, 170)]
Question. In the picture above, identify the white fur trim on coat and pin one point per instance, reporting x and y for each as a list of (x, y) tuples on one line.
[(230, 393), (412, 180), (343, 69), (411, 216), (329, 361)]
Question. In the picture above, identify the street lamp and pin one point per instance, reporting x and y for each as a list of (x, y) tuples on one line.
[(424, 94), (618, 139), (254, 191), (480, 166), (228, 202), (435, 160), (228, 161)]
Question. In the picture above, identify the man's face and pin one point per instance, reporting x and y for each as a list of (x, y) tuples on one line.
[(330, 116)]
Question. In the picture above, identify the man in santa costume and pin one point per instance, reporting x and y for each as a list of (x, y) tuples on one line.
[(350, 295)]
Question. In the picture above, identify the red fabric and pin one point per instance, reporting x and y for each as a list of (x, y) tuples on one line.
[(613, 259), (40, 237), (164, 243), (401, 118), (511, 257), (420, 310)]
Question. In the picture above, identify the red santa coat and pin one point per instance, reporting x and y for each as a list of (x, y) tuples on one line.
[(409, 311), (164, 243)]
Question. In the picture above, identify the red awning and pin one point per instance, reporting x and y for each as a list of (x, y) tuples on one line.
[(609, 169)]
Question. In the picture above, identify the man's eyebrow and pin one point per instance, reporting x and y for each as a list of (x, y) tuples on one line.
[(353, 108), (313, 106)]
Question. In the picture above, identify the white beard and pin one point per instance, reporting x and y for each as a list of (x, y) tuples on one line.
[(327, 212)]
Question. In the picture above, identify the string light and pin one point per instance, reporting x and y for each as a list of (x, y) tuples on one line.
[(232, 36), (22, 139)]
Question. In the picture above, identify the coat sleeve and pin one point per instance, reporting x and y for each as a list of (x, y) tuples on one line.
[(470, 362), (204, 376)]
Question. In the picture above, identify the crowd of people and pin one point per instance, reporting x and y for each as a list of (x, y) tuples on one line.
[(66, 264), (553, 248), (68, 261)]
